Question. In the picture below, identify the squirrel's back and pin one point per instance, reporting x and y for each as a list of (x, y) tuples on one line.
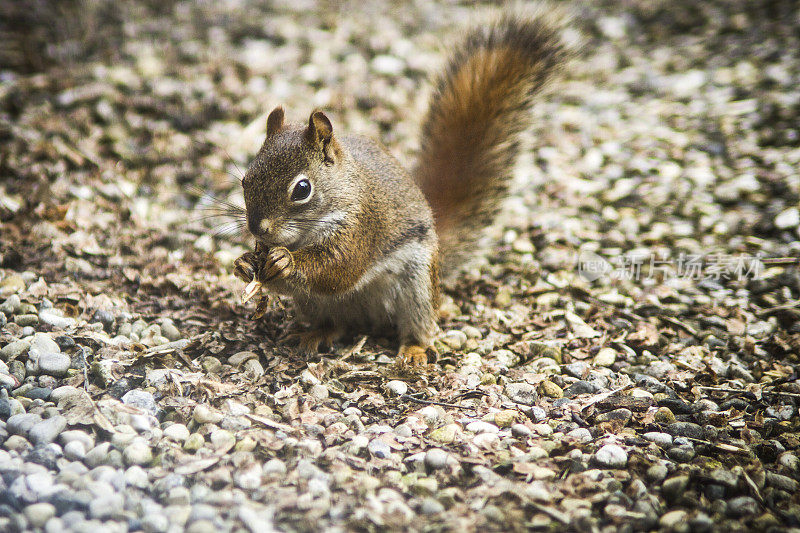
[(481, 103)]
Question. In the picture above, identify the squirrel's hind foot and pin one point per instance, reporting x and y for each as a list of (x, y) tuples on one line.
[(308, 342), (414, 355)]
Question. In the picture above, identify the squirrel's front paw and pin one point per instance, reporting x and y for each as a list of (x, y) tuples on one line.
[(246, 266), (277, 264)]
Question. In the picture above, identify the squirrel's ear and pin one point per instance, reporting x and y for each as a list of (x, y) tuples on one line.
[(320, 133), (275, 121)]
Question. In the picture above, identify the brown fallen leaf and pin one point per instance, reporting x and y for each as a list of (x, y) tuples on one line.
[(580, 328), (197, 465), (645, 336), (270, 423)]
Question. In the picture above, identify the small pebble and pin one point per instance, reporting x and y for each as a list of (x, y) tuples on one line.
[(17, 443), (138, 452), (379, 449), (611, 456), (428, 413), (674, 487), (253, 368), (430, 506), (623, 415), (141, 399), (551, 390), (319, 392), (26, 320), (479, 426), (396, 387), (436, 458), (178, 432), (664, 440), (581, 434), (75, 450), (11, 305), (274, 467), (222, 439), (169, 331), (580, 387), (54, 363), (521, 431), (194, 442), (63, 392), (788, 218), (505, 418), (155, 523), (674, 520), (20, 424), (663, 415), (523, 393), (455, 339), (605, 357), (686, 429), (248, 478), (14, 349), (205, 415), (742, 506), (55, 319), (39, 513), (781, 482), (681, 454)]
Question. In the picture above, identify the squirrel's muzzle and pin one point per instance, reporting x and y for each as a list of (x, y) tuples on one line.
[(258, 226)]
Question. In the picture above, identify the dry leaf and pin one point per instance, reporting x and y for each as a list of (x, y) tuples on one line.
[(580, 328)]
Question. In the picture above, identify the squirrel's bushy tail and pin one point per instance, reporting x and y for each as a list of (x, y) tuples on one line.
[(470, 136)]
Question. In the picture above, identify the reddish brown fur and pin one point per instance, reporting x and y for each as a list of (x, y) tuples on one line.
[(320, 266), (470, 134)]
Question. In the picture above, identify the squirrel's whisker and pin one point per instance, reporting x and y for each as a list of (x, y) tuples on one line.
[(223, 211), (229, 229), (202, 218)]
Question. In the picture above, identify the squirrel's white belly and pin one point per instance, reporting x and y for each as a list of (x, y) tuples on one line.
[(391, 295)]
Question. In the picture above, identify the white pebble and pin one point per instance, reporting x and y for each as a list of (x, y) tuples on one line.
[(611, 456), (396, 387)]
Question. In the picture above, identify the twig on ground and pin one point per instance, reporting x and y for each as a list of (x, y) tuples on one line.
[(783, 307), (355, 350), (434, 402), (677, 323)]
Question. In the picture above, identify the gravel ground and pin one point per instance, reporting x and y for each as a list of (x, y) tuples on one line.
[(654, 388)]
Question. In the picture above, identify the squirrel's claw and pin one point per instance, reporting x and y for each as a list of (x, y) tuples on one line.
[(308, 342), (278, 264), (244, 267)]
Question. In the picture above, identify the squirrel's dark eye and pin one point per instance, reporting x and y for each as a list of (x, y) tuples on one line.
[(301, 191)]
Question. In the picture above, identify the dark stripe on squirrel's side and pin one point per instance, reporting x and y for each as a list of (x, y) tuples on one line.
[(469, 139), (416, 232)]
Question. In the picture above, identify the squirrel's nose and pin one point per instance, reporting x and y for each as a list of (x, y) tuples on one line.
[(254, 225), (258, 226)]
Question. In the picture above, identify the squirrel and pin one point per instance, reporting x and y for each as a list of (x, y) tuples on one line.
[(357, 241)]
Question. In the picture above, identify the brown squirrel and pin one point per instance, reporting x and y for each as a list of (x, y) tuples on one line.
[(355, 239)]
